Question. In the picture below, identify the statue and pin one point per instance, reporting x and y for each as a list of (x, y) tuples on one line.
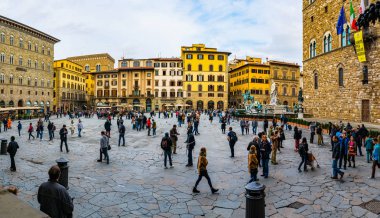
[(300, 98), (273, 94), (247, 97)]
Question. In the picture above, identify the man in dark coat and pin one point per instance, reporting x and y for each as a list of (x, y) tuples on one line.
[(63, 137), (190, 148), (12, 149), (54, 199)]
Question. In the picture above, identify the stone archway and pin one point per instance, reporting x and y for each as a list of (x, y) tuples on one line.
[(148, 105), (210, 105), (220, 105), (199, 105), (20, 103)]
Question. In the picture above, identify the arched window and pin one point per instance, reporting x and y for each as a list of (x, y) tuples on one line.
[(36, 64), (97, 67), (210, 88), (200, 68), (11, 40), (11, 59), (20, 61), (345, 40), (21, 43), (136, 63), (340, 71), (2, 57), (199, 88), (123, 64), (189, 67), (2, 38), (20, 80), (327, 40), (211, 68), (29, 81), (35, 82), (284, 90), (11, 79), (315, 80), (312, 48), (149, 64), (220, 68)]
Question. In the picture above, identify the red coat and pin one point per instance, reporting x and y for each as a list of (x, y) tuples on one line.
[(148, 123)]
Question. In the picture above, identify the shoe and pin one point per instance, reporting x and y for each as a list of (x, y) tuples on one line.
[(99, 161), (305, 170), (341, 175), (262, 175), (166, 167), (189, 165), (334, 177), (232, 156), (299, 170), (195, 190), (371, 177), (214, 190), (171, 166), (265, 177), (344, 168), (174, 152)]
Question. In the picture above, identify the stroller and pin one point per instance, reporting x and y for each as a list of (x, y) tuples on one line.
[(310, 160)]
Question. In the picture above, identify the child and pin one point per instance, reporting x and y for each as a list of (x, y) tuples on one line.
[(368, 147), (154, 126), (252, 164)]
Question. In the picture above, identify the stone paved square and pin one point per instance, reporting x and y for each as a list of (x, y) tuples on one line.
[(135, 183)]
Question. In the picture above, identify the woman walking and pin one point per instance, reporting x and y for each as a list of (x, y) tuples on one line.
[(335, 156), (303, 149), (202, 170), (351, 151)]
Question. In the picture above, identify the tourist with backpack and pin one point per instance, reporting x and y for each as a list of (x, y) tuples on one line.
[(202, 171), (232, 139), (303, 151), (166, 144)]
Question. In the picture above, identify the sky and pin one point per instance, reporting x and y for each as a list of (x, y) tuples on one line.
[(158, 28)]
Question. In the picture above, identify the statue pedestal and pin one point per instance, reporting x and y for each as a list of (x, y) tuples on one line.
[(300, 115)]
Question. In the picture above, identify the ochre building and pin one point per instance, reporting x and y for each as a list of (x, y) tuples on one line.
[(93, 63), (69, 86), (336, 85), (205, 77), (26, 66)]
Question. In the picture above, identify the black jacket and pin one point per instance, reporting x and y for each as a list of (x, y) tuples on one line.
[(12, 148), (107, 126), (336, 150), (256, 144), (169, 143), (63, 134), (191, 143), (265, 149)]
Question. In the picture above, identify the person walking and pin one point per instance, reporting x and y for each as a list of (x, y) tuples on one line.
[(12, 149), (72, 127), (63, 137), (190, 148), (253, 163), (369, 147), (242, 126), (80, 128), (30, 131), (232, 139), (121, 133), (303, 151), (319, 134), (196, 125), (246, 127), (54, 199), (148, 125), (50, 130), (174, 137), (265, 149), (297, 136), (275, 144), (343, 150), (335, 156), (107, 127), (254, 126), (223, 126), (166, 145), (104, 142), (265, 125), (154, 127), (376, 156), (19, 127), (202, 171), (312, 132), (352, 151)]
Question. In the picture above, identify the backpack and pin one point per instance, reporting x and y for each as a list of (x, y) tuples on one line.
[(164, 144), (301, 149), (234, 137)]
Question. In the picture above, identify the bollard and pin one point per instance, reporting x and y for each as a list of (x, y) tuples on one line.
[(3, 149), (64, 177), (255, 200)]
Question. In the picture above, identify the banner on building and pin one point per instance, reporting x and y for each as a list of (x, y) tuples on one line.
[(359, 46)]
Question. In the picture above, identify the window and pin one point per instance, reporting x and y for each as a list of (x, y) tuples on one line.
[(43, 66), (189, 67), (29, 81), (189, 56), (220, 57), (163, 82), (211, 78), (365, 75), (2, 78), (345, 40), (148, 74), (211, 57), (20, 80), (123, 64), (148, 82), (2, 57), (200, 78), (21, 43), (164, 72), (11, 59), (156, 64), (283, 74), (189, 77), (136, 63), (11, 40), (48, 51), (326, 9), (220, 88), (97, 67), (312, 18), (43, 49), (200, 56), (2, 38), (36, 48), (35, 82), (20, 61), (293, 91), (220, 68), (199, 88), (293, 75), (315, 80), (189, 88), (327, 43), (312, 48), (164, 64), (200, 68), (114, 82), (284, 89), (11, 79), (179, 83), (340, 71), (87, 68), (210, 88), (36, 64), (149, 64), (211, 68), (156, 82), (179, 73)]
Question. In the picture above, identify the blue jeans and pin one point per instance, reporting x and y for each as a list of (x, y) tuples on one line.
[(336, 170), (190, 157), (304, 159), (369, 154), (50, 134), (121, 136), (105, 152), (41, 133), (168, 153), (254, 130), (154, 131), (79, 131), (253, 173), (179, 123), (242, 130), (266, 167)]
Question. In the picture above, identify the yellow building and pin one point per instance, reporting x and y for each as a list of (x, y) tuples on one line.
[(205, 77), (91, 64), (69, 86), (251, 75), (287, 77)]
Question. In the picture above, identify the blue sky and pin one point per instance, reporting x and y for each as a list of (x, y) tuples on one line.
[(152, 28)]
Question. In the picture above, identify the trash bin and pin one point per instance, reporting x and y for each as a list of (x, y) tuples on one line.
[(64, 178), (255, 200), (3, 149)]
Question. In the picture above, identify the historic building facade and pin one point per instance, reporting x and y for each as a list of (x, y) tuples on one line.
[(26, 65), (91, 64), (336, 85), (205, 77), (69, 86), (248, 75), (130, 85), (168, 83)]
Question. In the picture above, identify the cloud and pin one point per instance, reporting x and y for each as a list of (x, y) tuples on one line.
[(151, 28)]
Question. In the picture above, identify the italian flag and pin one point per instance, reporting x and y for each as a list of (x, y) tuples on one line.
[(352, 18)]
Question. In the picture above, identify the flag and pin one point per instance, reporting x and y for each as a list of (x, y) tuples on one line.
[(362, 7), (352, 18), (341, 21)]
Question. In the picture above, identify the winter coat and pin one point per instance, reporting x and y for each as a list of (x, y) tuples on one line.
[(253, 163), (202, 163), (369, 143), (336, 150), (12, 148), (265, 149)]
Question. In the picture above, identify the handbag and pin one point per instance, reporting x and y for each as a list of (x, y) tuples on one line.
[(109, 147)]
